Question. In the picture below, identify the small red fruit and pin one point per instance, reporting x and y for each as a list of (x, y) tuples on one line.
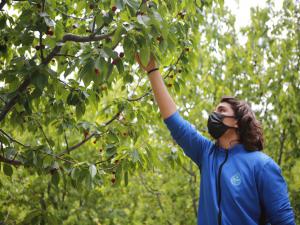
[(50, 32), (121, 54), (86, 133), (114, 8), (38, 47), (114, 62), (97, 71), (159, 38), (181, 14)]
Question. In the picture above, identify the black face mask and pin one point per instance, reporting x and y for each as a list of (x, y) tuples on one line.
[(216, 127)]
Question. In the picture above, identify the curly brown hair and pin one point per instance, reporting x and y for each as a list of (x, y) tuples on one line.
[(249, 128)]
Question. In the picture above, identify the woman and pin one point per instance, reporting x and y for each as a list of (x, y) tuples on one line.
[(239, 184)]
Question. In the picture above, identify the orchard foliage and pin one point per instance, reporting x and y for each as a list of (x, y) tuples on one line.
[(82, 140)]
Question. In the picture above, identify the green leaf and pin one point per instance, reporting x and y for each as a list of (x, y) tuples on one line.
[(120, 66), (112, 137), (99, 20), (75, 173), (129, 48), (32, 215), (4, 139), (2, 21), (80, 110), (73, 98), (177, 88), (126, 178), (132, 4), (110, 150), (145, 54), (144, 20), (87, 72), (102, 66), (109, 70), (59, 30), (120, 4), (7, 169), (40, 80), (49, 21), (135, 156), (55, 178), (221, 2), (51, 219), (117, 35)]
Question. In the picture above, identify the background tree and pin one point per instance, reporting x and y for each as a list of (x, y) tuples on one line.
[(82, 140)]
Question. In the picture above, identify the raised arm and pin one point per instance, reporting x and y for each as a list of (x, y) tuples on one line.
[(165, 103), (184, 133)]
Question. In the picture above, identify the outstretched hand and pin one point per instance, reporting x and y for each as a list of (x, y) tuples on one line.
[(151, 64)]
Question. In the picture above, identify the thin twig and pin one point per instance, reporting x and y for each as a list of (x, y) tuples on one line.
[(48, 142), (74, 17), (12, 139)]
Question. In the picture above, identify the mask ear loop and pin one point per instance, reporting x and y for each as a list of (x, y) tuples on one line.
[(238, 119), (235, 117)]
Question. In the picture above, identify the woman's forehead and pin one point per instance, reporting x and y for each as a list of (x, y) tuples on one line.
[(223, 105)]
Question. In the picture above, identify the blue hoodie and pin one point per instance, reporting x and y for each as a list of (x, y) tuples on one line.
[(236, 184)]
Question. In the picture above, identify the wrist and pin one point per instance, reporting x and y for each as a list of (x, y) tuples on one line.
[(152, 70)]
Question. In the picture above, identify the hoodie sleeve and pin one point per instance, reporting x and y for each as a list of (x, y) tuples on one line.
[(187, 137), (273, 194)]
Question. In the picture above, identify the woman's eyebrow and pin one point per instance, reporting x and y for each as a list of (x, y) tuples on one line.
[(221, 107)]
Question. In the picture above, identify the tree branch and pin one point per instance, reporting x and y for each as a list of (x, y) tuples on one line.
[(92, 37), (41, 45), (7, 107), (10, 161), (12, 139), (68, 150), (74, 17), (193, 180), (67, 37), (40, 126)]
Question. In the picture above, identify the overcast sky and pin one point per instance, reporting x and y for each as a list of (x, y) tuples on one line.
[(241, 9)]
